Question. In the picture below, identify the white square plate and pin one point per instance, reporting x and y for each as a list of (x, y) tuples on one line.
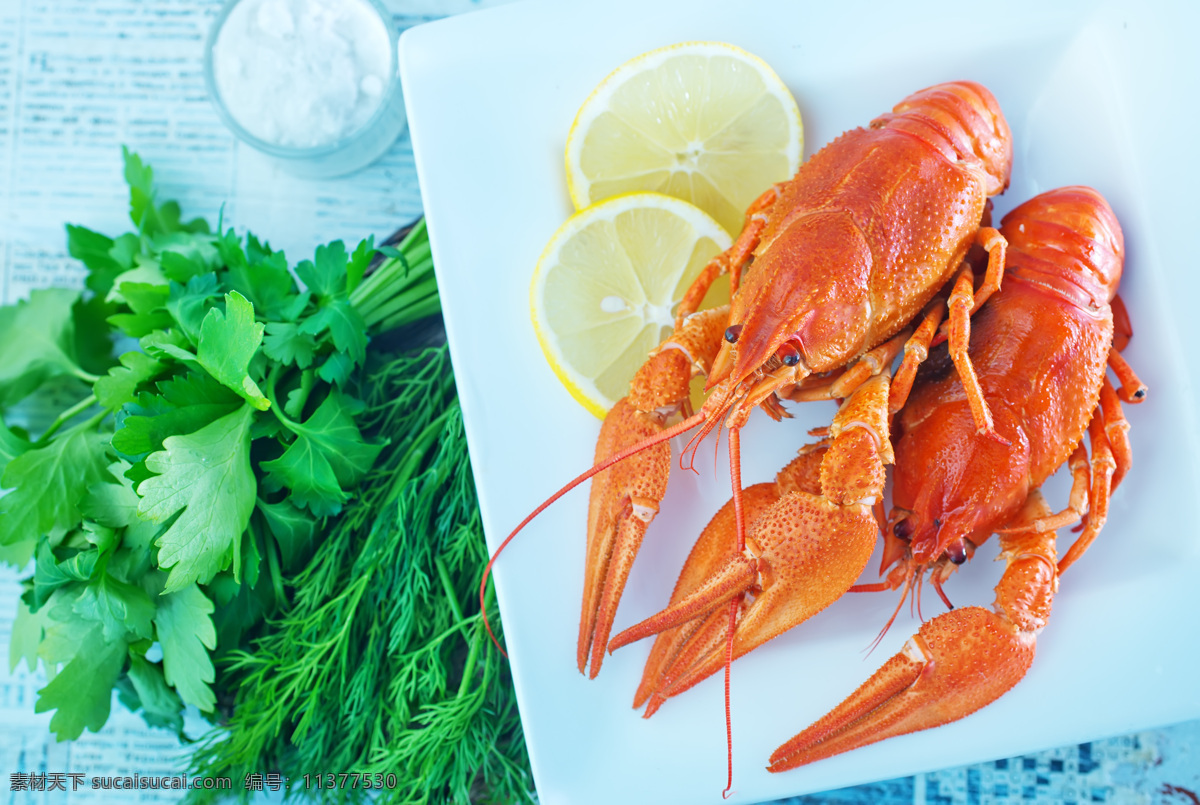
[(1095, 94)]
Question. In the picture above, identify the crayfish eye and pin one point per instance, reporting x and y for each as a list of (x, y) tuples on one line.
[(732, 333), (957, 552), (789, 355), (903, 529)]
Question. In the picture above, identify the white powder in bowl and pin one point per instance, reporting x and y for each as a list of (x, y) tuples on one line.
[(302, 73)]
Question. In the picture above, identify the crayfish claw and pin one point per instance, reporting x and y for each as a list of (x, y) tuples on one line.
[(810, 535), (956, 663), (624, 498)]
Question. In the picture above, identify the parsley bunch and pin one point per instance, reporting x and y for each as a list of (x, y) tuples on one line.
[(172, 494)]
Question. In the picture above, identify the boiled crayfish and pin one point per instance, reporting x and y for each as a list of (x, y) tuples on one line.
[(1040, 348), (826, 277)]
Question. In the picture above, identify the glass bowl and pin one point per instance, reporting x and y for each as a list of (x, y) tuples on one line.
[(351, 151)]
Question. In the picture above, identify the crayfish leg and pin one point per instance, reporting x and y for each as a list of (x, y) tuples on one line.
[(1106, 468), (732, 260), (1133, 390), (997, 248), (916, 350), (1122, 326), (961, 305)]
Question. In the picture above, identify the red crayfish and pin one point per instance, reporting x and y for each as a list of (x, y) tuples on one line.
[(1040, 348)]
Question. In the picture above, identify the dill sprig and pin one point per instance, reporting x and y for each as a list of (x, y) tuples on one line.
[(381, 664)]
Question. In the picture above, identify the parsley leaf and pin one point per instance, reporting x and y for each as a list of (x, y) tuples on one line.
[(227, 343), (48, 484), (11, 446), (189, 303), (82, 691), (179, 266), (150, 219), (184, 404), (336, 369), (293, 530), (325, 274), (206, 477), (122, 610), (328, 456), (93, 347), (185, 631), (95, 250), (285, 343), (125, 251), (146, 298), (112, 502), (161, 706), (49, 574), (345, 325), (262, 277), (119, 386), (36, 342), (359, 261), (64, 632), (25, 637), (103, 537)]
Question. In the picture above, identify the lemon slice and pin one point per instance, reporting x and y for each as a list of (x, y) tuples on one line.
[(605, 290), (702, 121)]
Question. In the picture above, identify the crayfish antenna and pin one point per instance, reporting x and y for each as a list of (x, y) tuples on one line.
[(713, 413), (734, 606), (689, 450), (908, 582), (739, 516), (936, 580), (666, 434)]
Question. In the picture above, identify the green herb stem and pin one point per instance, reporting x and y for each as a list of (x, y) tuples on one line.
[(409, 306), (412, 257), (418, 311), (482, 640), (69, 414), (389, 298), (464, 684), (86, 377), (416, 453), (270, 547), (434, 642), (451, 598), (418, 232), (384, 286), (402, 289), (307, 381), (272, 378)]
